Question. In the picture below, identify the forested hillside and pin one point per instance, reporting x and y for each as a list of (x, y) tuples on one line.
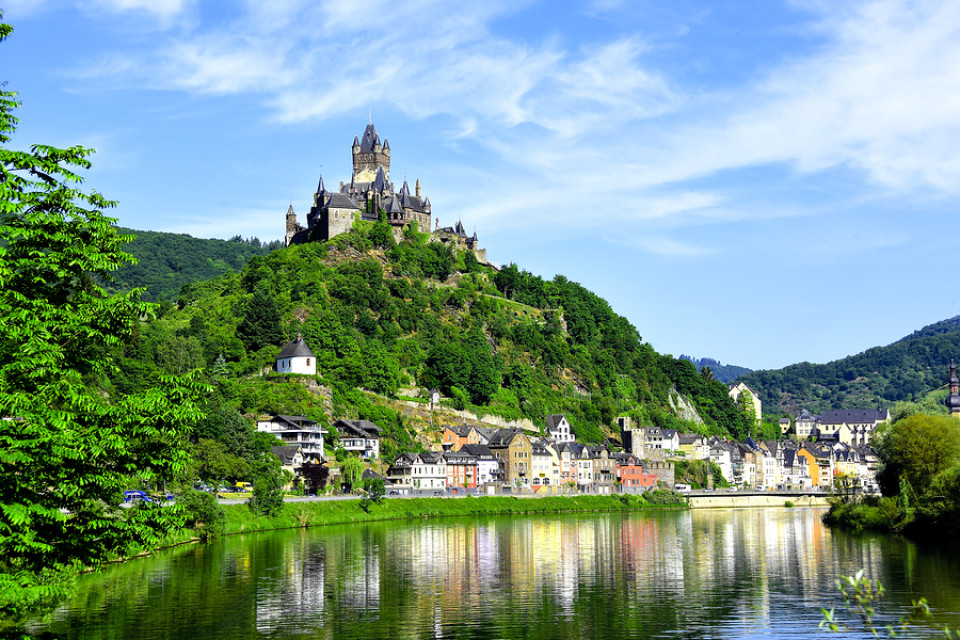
[(167, 261), (722, 372), (381, 315), (908, 369)]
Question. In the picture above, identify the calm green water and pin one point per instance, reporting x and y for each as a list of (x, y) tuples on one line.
[(701, 574)]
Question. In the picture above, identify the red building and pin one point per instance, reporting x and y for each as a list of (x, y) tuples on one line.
[(630, 472)]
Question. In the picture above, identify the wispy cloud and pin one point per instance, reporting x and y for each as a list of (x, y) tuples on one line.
[(164, 10), (877, 94)]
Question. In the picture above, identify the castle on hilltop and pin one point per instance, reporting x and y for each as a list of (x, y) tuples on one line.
[(370, 191)]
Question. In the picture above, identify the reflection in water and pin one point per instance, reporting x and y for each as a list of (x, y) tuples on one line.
[(722, 574)]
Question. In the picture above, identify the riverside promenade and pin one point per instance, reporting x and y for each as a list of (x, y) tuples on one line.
[(746, 499)]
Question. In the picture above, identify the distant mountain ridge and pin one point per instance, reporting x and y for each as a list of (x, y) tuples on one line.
[(167, 261), (907, 369), (725, 373)]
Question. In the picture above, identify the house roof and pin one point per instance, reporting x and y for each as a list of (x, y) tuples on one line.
[(361, 428), (370, 474), (503, 438), (404, 459), (286, 453), (459, 457), (623, 458), (462, 431), (553, 421), (485, 434), (478, 450), (295, 422), (296, 348), (429, 457), (853, 416)]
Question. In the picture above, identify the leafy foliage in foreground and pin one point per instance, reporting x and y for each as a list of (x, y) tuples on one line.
[(69, 442)]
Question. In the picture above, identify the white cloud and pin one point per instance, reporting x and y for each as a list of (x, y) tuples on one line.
[(659, 245), (882, 97), (875, 90), (164, 10)]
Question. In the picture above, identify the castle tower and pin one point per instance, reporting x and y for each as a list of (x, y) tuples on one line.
[(292, 226), (369, 156), (953, 398)]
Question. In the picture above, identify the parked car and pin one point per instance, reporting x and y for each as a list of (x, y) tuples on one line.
[(136, 496)]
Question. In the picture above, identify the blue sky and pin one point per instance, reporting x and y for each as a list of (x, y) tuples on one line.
[(759, 182)]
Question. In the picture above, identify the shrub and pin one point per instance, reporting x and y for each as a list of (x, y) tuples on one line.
[(202, 513), (665, 497)]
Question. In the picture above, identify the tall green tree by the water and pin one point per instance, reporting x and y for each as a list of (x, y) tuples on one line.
[(69, 443)]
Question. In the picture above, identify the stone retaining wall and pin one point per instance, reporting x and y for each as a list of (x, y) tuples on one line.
[(734, 500)]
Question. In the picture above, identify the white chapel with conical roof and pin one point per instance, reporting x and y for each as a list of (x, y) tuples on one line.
[(296, 357)]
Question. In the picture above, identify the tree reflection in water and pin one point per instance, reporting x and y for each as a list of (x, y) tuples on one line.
[(723, 574)]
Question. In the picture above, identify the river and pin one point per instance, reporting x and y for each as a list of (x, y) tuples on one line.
[(746, 573)]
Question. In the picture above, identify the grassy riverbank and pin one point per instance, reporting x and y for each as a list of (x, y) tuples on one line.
[(241, 519)]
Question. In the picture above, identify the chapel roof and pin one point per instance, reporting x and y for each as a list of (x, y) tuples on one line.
[(296, 348)]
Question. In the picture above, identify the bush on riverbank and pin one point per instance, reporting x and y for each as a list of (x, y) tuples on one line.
[(239, 519), (873, 513), (920, 478)]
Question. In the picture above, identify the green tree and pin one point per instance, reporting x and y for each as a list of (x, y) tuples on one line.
[(77, 449), (268, 481), (203, 514), (917, 449), (314, 476), (747, 410), (180, 354), (351, 470), (213, 461), (261, 322)]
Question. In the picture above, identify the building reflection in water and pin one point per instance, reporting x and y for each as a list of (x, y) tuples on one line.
[(426, 575), (637, 574)]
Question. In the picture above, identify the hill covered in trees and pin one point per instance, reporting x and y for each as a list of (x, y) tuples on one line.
[(722, 372), (906, 370), (383, 315), (167, 261)]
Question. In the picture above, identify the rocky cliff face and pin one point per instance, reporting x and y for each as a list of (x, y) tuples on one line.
[(683, 408)]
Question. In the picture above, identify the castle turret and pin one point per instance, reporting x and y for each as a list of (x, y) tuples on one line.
[(292, 226), (953, 397)]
